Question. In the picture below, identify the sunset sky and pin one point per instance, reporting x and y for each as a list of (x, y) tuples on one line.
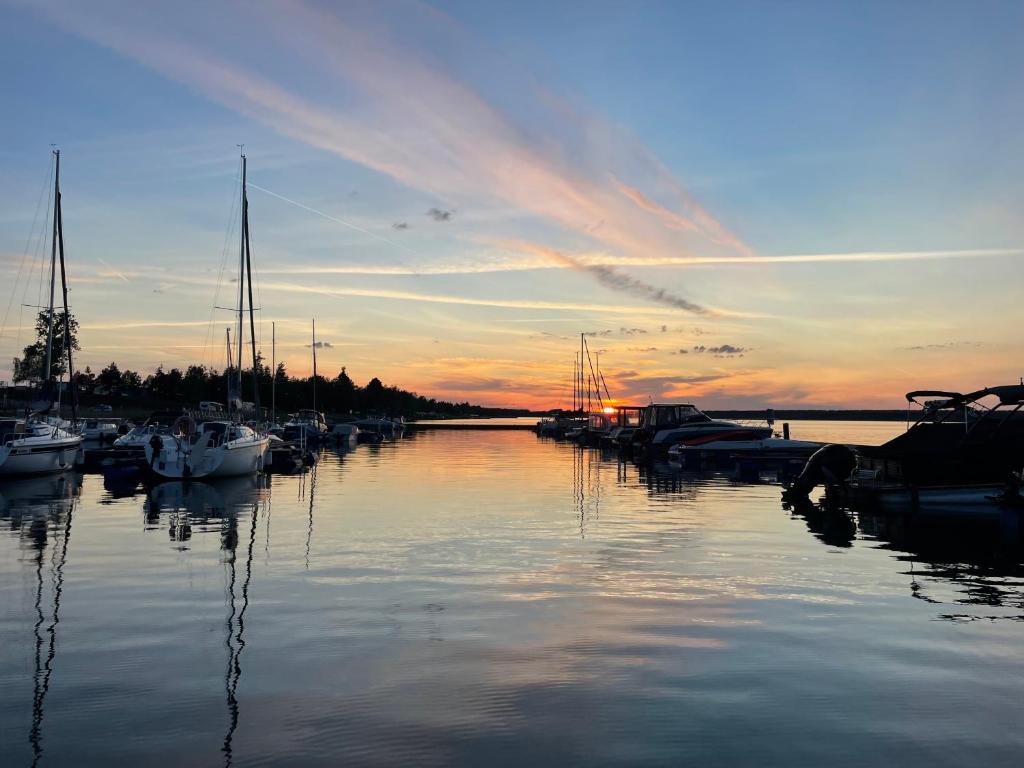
[(746, 204)]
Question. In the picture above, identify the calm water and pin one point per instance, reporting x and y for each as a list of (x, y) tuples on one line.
[(487, 598)]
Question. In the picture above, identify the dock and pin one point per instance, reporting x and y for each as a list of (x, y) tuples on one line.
[(482, 426)]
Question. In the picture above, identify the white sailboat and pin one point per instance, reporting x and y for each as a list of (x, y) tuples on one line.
[(42, 442), (219, 448)]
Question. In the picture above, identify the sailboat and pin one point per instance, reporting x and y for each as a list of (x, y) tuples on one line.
[(308, 425), (43, 442), (226, 447)]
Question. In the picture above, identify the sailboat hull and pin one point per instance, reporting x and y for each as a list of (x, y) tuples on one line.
[(228, 460), (38, 459)]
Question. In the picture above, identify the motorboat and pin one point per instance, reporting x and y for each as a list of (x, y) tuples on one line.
[(345, 436), (625, 422), (962, 450), (99, 430), (306, 426), (561, 425), (131, 446), (719, 449), (216, 449), (377, 429), (597, 425), (664, 425), (32, 446)]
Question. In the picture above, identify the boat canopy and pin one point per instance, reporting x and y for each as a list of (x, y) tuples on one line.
[(1009, 394)]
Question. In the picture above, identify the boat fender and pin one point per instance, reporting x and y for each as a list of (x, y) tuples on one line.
[(157, 444), (184, 426), (830, 465)]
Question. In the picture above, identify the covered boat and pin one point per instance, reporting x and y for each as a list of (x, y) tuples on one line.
[(306, 426), (963, 452)]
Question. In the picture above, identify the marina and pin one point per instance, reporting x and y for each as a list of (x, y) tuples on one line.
[(305, 618), (445, 383)]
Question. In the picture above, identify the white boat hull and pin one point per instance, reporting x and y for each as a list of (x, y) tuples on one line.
[(764, 447), (228, 460), (57, 456)]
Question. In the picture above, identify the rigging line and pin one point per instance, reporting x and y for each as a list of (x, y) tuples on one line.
[(24, 254), (38, 258), (229, 231), (51, 206), (336, 220)]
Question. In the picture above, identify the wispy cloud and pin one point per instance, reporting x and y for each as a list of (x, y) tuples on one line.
[(115, 272), (941, 346), (523, 257), (413, 120), (466, 300)]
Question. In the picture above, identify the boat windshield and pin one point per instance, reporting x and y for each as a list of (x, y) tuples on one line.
[(630, 417), (672, 415)]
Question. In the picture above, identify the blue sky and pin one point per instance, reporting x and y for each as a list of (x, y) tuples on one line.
[(590, 156)]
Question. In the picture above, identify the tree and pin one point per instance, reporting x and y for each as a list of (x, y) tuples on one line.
[(344, 391), (85, 380), (373, 394), (32, 364), (110, 377), (131, 380)]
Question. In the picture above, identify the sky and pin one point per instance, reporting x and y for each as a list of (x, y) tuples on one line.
[(742, 204)]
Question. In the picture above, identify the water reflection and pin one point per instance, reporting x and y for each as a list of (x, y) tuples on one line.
[(220, 505), (235, 628), (964, 560), (829, 524), (470, 592), (40, 510), (210, 505), (957, 561)]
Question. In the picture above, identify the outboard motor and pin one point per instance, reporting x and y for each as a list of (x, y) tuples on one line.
[(831, 465)]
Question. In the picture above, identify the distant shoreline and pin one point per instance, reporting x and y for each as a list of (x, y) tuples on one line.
[(815, 415), (746, 415)]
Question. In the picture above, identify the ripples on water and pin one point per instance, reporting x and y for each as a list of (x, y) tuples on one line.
[(487, 598)]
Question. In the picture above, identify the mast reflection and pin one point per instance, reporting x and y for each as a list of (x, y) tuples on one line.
[(217, 506), (40, 510)]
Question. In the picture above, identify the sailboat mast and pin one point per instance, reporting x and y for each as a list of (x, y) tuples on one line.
[(593, 389), (252, 319), (241, 285), (314, 363), (273, 373), (48, 371), (227, 371), (581, 372), (67, 311), (574, 382)]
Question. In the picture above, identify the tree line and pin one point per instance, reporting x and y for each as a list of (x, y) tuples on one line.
[(196, 383)]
